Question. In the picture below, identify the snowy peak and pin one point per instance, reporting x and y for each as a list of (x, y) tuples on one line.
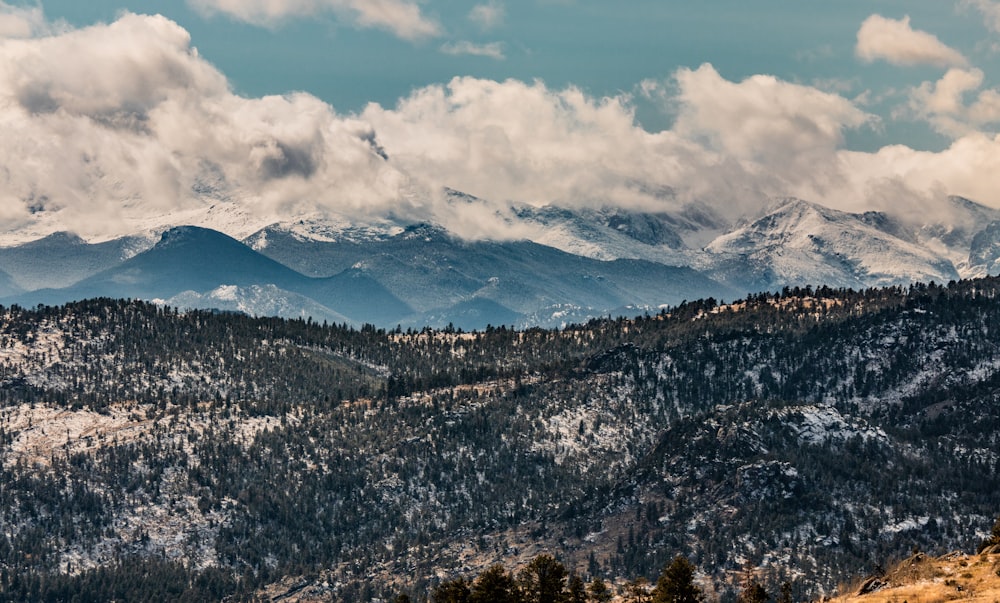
[(804, 243)]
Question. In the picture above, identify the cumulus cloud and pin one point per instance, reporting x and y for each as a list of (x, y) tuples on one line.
[(489, 15), (400, 17), (493, 50), (762, 119), (21, 21), (881, 38), (115, 122), (955, 105), (109, 125)]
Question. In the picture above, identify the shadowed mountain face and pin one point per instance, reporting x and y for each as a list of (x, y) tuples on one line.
[(446, 279), (191, 259), (62, 259)]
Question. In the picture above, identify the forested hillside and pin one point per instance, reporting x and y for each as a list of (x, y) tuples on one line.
[(146, 453)]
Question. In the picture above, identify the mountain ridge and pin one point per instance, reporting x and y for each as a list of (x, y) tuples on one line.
[(579, 263)]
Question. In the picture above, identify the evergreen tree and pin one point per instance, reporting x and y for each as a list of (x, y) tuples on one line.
[(494, 585), (753, 591), (543, 580), (676, 583), (599, 591), (452, 591), (786, 593), (637, 591), (577, 590)]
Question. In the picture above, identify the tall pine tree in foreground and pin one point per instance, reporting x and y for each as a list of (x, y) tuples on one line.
[(676, 583)]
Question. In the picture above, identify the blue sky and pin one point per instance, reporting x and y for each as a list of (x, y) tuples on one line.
[(367, 108)]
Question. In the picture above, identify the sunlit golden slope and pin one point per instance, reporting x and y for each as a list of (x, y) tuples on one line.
[(923, 579)]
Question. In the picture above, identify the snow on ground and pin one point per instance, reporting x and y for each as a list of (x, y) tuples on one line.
[(41, 431), (820, 424)]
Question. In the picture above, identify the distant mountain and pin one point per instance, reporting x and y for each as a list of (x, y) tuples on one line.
[(257, 300), (8, 286), (185, 259), (191, 259), (446, 279), (572, 265), (804, 243), (63, 258)]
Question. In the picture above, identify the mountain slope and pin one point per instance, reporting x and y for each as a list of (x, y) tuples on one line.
[(803, 243), (62, 259), (761, 433), (439, 275), (191, 259)]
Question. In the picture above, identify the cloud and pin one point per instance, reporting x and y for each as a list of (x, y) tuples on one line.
[(762, 118), (493, 50), (946, 105), (21, 22), (489, 15), (896, 42), (116, 126), (990, 9), (403, 18)]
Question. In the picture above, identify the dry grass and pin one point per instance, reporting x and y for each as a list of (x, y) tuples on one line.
[(922, 579)]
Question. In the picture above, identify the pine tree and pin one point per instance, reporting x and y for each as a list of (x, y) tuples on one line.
[(577, 590), (599, 591), (494, 585), (452, 591), (543, 580), (676, 583), (753, 591)]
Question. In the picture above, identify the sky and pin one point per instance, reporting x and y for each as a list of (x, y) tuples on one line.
[(114, 109)]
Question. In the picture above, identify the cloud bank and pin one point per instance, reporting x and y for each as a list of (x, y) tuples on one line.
[(400, 17), (108, 125), (896, 42)]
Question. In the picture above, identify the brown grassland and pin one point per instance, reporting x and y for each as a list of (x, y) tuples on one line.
[(923, 579)]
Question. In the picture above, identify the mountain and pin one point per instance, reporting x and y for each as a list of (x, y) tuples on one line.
[(7, 285), (257, 300), (554, 265), (805, 243), (810, 435), (185, 258), (62, 259), (192, 262), (443, 277)]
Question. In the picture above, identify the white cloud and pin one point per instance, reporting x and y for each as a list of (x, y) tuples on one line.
[(21, 22), (120, 121), (762, 118), (493, 50), (517, 141), (946, 104), (401, 17), (489, 15), (880, 38), (990, 9), (110, 124)]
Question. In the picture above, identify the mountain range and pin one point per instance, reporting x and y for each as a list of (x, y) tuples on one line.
[(578, 263)]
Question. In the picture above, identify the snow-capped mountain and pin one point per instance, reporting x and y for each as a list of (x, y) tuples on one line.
[(567, 265), (800, 242)]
